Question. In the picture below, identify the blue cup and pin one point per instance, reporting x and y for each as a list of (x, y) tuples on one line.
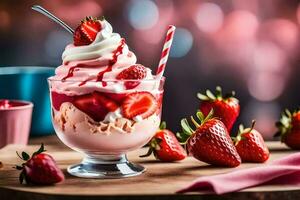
[(30, 83)]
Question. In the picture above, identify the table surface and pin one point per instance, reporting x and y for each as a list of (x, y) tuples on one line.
[(160, 181)]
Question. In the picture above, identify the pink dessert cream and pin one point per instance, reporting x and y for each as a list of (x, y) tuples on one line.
[(103, 102)]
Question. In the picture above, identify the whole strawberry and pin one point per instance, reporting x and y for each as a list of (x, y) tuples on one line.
[(86, 31), (250, 145), (226, 108), (289, 128), (209, 141), (134, 72), (40, 168), (165, 146)]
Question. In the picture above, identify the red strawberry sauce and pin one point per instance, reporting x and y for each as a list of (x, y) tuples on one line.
[(100, 75), (114, 59)]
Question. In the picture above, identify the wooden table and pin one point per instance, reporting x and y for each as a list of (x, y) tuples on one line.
[(159, 182)]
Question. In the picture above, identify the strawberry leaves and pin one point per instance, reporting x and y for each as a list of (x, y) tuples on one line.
[(187, 130), (40, 150), (241, 131), (284, 124), (226, 107), (289, 128), (22, 176), (25, 156), (209, 96), (163, 125), (165, 146), (39, 169)]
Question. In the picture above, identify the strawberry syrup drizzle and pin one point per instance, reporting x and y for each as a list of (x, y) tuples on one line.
[(70, 73), (72, 70), (100, 75), (114, 59)]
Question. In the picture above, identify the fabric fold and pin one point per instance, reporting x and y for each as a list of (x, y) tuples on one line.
[(282, 171)]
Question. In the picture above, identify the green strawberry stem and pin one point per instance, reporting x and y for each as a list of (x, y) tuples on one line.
[(163, 125), (149, 152), (209, 96), (284, 125), (194, 122), (25, 156), (187, 131), (153, 147), (91, 18), (243, 130)]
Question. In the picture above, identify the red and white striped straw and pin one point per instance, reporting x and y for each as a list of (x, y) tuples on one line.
[(165, 52)]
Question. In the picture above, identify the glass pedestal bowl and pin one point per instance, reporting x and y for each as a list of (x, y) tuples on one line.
[(93, 123)]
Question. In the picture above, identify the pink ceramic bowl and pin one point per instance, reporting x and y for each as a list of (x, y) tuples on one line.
[(15, 121)]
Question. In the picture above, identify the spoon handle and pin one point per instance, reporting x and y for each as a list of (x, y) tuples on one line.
[(45, 12)]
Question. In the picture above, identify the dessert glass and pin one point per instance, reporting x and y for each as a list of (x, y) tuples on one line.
[(106, 142)]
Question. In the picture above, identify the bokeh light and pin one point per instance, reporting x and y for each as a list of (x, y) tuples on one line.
[(142, 14), (240, 25), (73, 13), (268, 57), (266, 86), (5, 20), (182, 43), (282, 32), (265, 114), (298, 13), (209, 17)]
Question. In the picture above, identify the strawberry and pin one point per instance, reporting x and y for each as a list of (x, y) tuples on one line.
[(105, 101), (289, 128), (40, 168), (143, 104), (134, 72), (250, 145), (165, 146), (86, 31), (95, 105), (226, 108), (210, 141)]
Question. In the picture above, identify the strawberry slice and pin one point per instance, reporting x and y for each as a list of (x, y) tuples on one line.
[(139, 103), (95, 105), (87, 31)]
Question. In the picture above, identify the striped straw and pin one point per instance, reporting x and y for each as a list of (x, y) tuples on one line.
[(165, 52)]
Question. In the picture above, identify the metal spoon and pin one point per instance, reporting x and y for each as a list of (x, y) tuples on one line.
[(45, 12)]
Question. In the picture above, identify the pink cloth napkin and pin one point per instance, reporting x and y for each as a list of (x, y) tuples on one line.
[(282, 171)]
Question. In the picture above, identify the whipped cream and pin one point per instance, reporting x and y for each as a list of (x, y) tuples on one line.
[(112, 116), (79, 73)]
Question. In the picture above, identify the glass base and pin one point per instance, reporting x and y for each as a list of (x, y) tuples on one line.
[(105, 166)]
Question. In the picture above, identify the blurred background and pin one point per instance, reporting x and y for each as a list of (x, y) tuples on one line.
[(251, 47)]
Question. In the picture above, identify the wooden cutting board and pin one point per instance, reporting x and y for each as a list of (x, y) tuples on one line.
[(160, 181)]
